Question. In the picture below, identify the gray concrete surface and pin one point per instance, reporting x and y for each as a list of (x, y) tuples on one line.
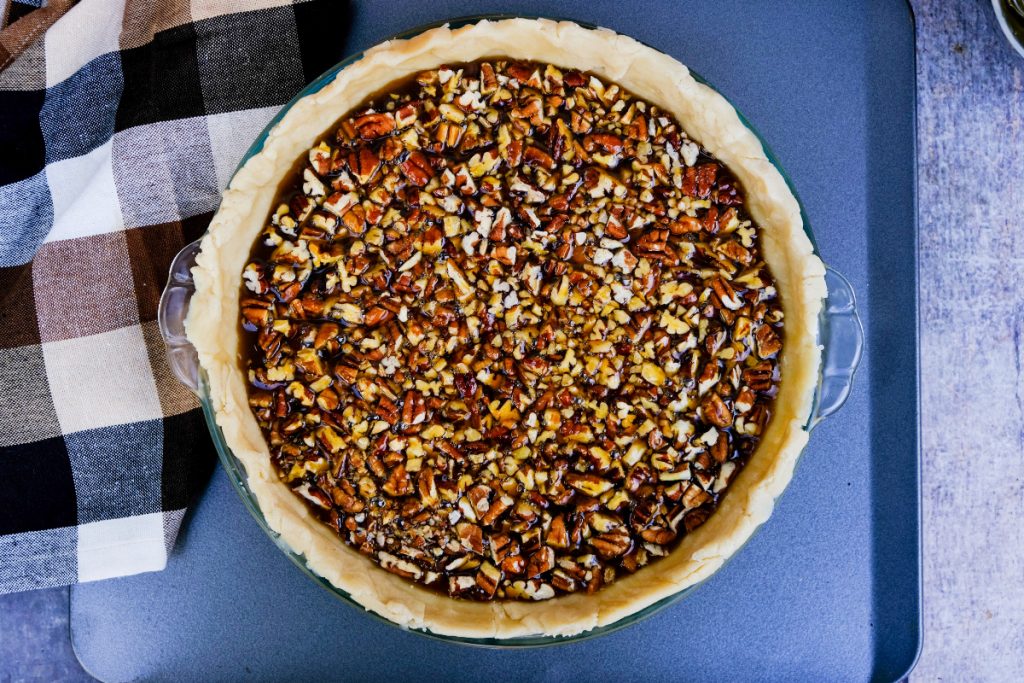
[(971, 199)]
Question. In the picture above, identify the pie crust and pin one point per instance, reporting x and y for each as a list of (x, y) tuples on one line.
[(707, 118)]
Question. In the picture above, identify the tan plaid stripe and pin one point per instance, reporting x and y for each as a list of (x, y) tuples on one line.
[(17, 314), (150, 252), (18, 36), (27, 71), (145, 18), (83, 287)]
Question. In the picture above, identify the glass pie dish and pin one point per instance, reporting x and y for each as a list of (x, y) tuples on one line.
[(839, 333)]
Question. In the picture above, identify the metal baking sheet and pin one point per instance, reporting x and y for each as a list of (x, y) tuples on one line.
[(828, 590)]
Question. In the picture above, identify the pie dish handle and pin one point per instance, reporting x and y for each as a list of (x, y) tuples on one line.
[(171, 314), (842, 338)]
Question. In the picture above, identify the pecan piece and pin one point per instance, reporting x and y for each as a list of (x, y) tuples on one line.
[(614, 543), (397, 565), (488, 79), (767, 341), (387, 410), (417, 169), (479, 498), (590, 484), (705, 179), (694, 518), (471, 536), (615, 229), (652, 240), (347, 502), (497, 508), (563, 581), (398, 483), (523, 73), (684, 225), (414, 409), (513, 564), (557, 535), (346, 374), (364, 164), (466, 385), (376, 316), (540, 562), (532, 109), (535, 156), (488, 578), (720, 450), (726, 294), (257, 312), (326, 333), (658, 535), (735, 251), (716, 412), (759, 377), (744, 400), (695, 496), (314, 495), (637, 130), (374, 125), (604, 142), (427, 487)]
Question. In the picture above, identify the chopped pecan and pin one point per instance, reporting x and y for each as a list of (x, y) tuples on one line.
[(417, 169), (378, 315), (374, 125), (715, 411), (557, 535), (414, 409), (534, 156), (658, 535), (540, 562), (768, 343), (614, 543), (489, 361), (364, 164), (488, 578), (472, 537), (604, 142)]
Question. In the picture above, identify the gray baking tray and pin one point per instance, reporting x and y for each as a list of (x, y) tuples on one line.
[(828, 590)]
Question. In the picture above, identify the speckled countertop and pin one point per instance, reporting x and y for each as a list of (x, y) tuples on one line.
[(971, 202), (971, 198)]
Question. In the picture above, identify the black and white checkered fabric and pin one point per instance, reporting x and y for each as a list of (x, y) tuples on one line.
[(119, 127)]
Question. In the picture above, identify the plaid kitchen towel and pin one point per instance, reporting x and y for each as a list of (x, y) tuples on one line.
[(120, 123)]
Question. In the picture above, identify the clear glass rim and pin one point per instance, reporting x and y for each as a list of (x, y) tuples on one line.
[(236, 471)]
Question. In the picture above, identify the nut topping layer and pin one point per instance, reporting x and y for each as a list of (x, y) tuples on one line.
[(509, 332)]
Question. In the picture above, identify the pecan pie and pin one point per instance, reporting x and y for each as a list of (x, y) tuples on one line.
[(526, 342)]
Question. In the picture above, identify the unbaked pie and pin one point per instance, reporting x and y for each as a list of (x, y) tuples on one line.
[(525, 342)]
